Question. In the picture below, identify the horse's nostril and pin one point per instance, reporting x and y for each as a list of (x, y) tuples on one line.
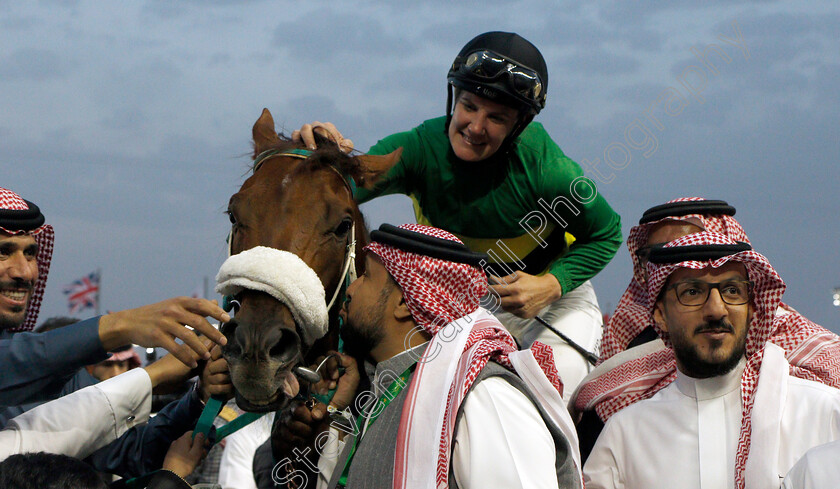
[(232, 347), (286, 346), (228, 328)]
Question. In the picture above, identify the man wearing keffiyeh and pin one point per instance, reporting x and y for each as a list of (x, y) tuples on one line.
[(35, 368), (26, 246), (807, 345), (733, 412), (464, 408)]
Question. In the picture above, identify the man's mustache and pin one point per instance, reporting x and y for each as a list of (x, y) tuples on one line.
[(18, 284), (718, 326)]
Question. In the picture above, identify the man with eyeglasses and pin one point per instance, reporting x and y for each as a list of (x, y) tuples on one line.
[(490, 175), (734, 412), (630, 325), (629, 334)]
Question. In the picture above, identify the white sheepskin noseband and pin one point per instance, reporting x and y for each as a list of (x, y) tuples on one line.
[(285, 277)]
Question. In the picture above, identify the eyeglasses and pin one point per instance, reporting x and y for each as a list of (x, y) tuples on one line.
[(696, 293), (488, 65)]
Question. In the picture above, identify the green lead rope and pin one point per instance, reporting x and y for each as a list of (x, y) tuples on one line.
[(211, 410)]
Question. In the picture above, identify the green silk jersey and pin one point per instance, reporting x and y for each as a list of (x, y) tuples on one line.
[(534, 201)]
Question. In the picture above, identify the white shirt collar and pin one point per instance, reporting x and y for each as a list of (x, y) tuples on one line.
[(712, 387)]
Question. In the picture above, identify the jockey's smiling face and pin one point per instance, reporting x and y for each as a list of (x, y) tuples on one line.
[(479, 126), (18, 275), (709, 338)]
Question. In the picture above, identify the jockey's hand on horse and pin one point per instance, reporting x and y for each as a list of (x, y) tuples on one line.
[(526, 295), (300, 425), (161, 323), (306, 135), (214, 379)]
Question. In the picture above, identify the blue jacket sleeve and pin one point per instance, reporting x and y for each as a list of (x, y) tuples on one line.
[(36, 366), (142, 448)]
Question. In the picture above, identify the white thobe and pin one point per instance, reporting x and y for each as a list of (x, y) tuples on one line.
[(687, 434), (818, 469), (236, 468), (80, 423)]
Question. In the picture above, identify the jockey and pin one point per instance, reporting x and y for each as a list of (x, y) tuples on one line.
[(489, 175)]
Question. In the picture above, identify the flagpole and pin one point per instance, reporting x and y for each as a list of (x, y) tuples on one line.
[(98, 289), (205, 296)]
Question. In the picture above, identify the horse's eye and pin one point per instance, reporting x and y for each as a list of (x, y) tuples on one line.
[(231, 217), (344, 227)]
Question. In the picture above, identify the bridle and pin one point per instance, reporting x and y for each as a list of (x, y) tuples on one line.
[(348, 274), (348, 267)]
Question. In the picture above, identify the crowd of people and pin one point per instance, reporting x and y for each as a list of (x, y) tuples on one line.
[(468, 343)]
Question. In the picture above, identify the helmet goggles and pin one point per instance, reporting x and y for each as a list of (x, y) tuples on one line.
[(490, 66)]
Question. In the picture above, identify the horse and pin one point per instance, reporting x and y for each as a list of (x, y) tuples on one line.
[(302, 202)]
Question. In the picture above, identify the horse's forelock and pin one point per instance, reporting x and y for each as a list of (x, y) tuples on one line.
[(327, 153)]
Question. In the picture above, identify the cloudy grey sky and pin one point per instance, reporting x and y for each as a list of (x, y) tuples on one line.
[(128, 122)]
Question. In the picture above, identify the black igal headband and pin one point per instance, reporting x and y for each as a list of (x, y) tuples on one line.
[(677, 209), (22, 220), (426, 245), (678, 254)]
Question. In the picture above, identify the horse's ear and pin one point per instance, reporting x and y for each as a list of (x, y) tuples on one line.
[(264, 134), (373, 167)]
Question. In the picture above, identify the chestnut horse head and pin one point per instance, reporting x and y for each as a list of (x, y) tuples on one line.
[(302, 202)]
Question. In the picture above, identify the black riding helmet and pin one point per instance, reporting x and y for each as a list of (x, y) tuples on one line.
[(503, 67)]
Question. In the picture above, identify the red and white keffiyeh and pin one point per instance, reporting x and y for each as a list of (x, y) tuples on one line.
[(45, 238), (631, 315), (812, 352), (443, 298), (810, 349)]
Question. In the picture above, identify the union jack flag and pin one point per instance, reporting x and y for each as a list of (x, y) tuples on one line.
[(83, 293)]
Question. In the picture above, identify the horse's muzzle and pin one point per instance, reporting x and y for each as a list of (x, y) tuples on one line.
[(261, 358)]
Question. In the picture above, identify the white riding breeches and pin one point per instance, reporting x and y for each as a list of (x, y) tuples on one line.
[(578, 316)]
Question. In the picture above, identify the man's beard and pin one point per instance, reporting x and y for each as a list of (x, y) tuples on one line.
[(364, 333), (699, 368), (17, 315), (12, 320)]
